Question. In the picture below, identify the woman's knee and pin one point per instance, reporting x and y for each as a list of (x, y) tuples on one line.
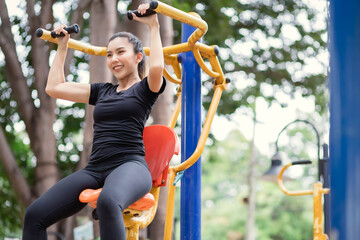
[(108, 204), (34, 216)]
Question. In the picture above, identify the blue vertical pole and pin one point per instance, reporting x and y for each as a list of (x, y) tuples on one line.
[(345, 119), (190, 208)]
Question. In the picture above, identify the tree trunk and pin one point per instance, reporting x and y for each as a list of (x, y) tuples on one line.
[(101, 12), (38, 119), (161, 114), (250, 221), (21, 187)]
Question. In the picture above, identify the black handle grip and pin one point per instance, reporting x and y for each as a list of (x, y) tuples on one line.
[(39, 32), (147, 13), (301, 162), (70, 29)]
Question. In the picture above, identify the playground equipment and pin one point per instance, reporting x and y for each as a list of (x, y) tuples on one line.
[(317, 193), (139, 217)]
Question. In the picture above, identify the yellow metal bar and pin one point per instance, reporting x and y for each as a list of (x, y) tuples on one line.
[(204, 49), (204, 133), (170, 78), (134, 223), (202, 64), (177, 48), (77, 45), (220, 80), (132, 233), (318, 192), (177, 70), (284, 190), (173, 61), (169, 218), (176, 111), (318, 209), (184, 17)]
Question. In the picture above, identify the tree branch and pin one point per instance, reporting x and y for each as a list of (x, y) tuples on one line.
[(17, 179), (40, 54), (77, 17), (14, 74), (32, 18)]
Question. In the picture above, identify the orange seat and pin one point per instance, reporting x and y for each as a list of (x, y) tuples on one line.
[(161, 143)]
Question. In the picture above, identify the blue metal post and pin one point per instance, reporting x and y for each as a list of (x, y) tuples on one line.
[(190, 216), (345, 119)]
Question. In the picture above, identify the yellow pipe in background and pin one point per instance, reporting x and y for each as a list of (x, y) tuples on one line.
[(173, 61), (133, 224), (170, 78), (177, 48), (75, 44), (176, 111), (169, 218), (202, 64), (184, 17), (317, 192), (204, 133), (318, 227), (221, 80), (185, 47), (284, 190)]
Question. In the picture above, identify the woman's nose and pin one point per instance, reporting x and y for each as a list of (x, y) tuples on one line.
[(114, 58)]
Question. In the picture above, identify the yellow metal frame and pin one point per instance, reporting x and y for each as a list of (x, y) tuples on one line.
[(200, 52), (318, 191), (133, 224)]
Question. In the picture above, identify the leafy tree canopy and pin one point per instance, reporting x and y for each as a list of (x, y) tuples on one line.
[(268, 48)]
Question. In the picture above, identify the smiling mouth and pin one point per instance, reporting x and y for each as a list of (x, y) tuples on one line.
[(118, 67)]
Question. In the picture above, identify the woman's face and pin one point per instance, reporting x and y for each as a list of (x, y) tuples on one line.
[(121, 59)]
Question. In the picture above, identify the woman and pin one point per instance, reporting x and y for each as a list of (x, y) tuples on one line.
[(117, 161)]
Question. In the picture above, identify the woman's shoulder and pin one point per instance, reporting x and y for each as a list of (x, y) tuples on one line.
[(145, 84)]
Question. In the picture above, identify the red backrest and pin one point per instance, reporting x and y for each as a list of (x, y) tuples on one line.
[(161, 143)]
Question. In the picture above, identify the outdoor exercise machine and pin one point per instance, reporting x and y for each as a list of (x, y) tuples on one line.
[(318, 191), (186, 59)]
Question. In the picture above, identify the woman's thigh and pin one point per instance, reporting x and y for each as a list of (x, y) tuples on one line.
[(62, 200), (127, 183)]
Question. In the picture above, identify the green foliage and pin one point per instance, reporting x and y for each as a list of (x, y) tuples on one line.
[(69, 138), (283, 217), (11, 212), (224, 195), (266, 43)]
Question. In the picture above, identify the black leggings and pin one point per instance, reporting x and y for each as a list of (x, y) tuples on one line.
[(122, 186)]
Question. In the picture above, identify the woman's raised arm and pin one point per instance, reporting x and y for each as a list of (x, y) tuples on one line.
[(56, 85), (156, 51)]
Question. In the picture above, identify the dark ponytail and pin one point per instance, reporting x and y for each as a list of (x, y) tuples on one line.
[(137, 44)]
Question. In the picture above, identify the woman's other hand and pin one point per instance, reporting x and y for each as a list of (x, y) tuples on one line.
[(151, 20)]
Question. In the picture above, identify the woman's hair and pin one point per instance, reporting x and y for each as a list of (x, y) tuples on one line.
[(137, 44)]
